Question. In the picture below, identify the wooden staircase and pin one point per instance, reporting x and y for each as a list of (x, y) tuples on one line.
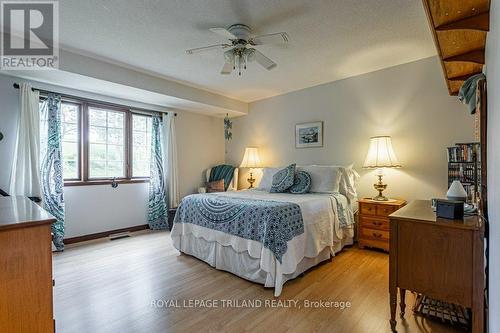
[(459, 28)]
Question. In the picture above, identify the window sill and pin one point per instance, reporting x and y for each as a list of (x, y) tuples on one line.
[(105, 182)]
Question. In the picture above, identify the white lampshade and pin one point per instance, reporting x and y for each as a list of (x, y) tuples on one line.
[(381, 154), (251, 158), (456, 191)]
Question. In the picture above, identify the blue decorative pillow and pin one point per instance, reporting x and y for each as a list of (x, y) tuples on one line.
[(283, 179), (301, 183)]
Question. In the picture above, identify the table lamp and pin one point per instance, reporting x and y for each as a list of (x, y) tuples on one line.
[(380, 155), (251, 160)]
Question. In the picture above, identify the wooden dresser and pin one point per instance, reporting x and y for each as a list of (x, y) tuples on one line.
[(25, 267), (373, 226), (439, 258)]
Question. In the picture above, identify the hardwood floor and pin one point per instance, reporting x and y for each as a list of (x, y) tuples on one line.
[(112, 286)]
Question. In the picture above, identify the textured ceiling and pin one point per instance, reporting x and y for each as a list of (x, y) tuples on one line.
[(329, 39)]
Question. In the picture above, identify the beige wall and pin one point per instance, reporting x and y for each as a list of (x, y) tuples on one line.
[(493, 78), (409, 102), (200, 142)]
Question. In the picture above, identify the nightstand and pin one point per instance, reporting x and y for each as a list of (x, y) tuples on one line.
[(373, 223)]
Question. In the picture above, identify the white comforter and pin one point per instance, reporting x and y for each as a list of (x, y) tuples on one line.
[(321, 229)]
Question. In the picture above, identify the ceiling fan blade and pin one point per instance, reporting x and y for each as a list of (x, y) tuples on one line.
[(207, 48), (263, 60), (223, 32), (276, 38), (227, 68)]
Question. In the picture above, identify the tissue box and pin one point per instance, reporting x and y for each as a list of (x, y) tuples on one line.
[(450, 209)]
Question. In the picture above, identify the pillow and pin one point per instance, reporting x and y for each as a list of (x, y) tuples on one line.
[(348, 182), (215, 186), (324, 178), (267, 179), (283, 179), (301, 183)]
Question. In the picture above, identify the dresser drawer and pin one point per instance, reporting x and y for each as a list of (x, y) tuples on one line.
[(368, 209), (374, 223), (380, 235)]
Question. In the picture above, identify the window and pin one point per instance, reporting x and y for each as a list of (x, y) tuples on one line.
[(141, 145), (70, 137), (101, 142), (70, 140), (106, 143)]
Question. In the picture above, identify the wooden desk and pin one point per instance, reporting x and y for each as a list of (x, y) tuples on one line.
[(442, 259), (25, 267)]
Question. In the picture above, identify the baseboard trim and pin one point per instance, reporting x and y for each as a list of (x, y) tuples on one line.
[(103, 234)]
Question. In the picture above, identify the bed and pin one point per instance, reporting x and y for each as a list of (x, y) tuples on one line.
[(302, 231)]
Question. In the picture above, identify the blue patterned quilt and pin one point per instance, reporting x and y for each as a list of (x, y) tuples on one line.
[(271, 223)]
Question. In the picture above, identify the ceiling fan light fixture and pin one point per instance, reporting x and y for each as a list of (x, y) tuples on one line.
[(240, 37)]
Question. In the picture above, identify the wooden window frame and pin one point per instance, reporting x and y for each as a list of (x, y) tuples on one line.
[(83, 151)]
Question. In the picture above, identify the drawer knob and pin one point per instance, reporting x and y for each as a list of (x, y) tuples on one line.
[(377, 235)]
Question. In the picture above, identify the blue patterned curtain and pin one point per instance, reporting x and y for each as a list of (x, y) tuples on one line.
[(51, 168), (157, 207)]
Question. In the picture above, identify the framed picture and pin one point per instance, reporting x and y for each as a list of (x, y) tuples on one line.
[(309, 135)]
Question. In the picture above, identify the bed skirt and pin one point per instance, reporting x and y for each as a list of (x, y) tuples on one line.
[(226, 258)]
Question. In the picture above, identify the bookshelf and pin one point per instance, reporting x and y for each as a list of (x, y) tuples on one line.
[(464, 164)]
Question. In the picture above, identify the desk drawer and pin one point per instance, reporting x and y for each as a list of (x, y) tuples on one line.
[(375, 234), (374, 223)]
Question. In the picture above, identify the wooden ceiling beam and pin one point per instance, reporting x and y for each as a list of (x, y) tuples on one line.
[(476, 56), (479, 22)]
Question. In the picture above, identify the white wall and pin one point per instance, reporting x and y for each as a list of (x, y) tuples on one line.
[(410, 102), (493, 78), (91, 209)]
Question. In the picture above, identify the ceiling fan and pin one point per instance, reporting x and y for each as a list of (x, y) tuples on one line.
[(240, 39)]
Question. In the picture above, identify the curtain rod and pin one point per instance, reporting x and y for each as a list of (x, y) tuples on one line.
[(16, 86)]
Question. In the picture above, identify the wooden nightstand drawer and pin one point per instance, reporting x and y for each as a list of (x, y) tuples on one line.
[(374, 223), (368, 209), (380, 235), (386, 210)]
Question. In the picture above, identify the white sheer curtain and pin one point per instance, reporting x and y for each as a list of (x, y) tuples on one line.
[(25, 175), (170, 160)]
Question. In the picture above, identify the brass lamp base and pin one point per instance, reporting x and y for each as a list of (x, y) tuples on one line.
[(251, 180), (380, 187)]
